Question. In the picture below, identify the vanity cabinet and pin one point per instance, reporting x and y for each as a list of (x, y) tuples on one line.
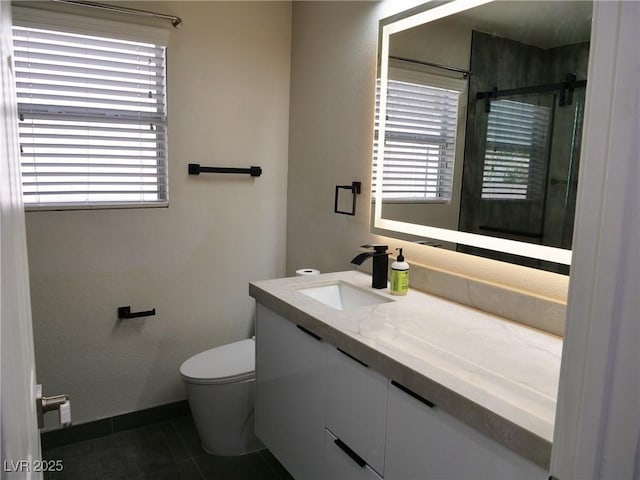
[(326, 415), (290, 391), (356, 407), (425, 442)]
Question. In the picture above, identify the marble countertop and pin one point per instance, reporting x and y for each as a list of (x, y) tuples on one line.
[(498, 376)]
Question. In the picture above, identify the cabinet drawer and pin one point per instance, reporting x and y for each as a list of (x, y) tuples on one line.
[(341, 463), (426, 442), (356, 406)]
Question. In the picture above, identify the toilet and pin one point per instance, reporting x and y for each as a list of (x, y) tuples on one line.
[(220, 385)]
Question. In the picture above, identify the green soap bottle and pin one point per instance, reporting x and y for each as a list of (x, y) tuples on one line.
[(399, 275)]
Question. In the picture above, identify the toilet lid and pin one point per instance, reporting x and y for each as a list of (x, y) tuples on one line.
[(228, 363)]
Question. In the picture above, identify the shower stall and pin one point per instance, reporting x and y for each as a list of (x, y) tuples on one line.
[(522, 149)]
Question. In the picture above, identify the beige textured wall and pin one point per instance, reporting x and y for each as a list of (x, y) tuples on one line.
[(334, 47), (228, 90)]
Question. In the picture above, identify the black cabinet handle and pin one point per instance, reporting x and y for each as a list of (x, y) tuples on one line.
[(420, 398), (352, 357), (353, 455), (309, 332)]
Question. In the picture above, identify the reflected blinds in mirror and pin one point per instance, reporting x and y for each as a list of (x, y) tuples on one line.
[(420, 136), (517, 150)]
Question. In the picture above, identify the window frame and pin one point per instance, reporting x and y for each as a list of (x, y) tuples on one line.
[(26, 17)]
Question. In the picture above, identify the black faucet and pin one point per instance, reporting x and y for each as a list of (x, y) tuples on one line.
[(380, 264)]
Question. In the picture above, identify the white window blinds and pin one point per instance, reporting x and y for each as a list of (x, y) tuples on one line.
[(93, 123), (420, 136), (516, 151)]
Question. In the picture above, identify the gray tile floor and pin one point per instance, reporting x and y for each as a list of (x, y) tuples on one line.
[(170, 450)]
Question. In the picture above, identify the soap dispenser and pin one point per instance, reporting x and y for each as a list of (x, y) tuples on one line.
[(399, 275)]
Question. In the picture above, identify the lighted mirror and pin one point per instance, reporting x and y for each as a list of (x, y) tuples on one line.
[(482, 111)]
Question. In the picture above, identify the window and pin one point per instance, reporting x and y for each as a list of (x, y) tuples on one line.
[(516, 151), (92, 119), (420, 136)]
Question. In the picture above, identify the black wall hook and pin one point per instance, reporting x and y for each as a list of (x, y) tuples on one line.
[(125, 312)]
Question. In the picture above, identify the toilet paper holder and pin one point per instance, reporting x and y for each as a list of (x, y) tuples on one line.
[(125, 312)]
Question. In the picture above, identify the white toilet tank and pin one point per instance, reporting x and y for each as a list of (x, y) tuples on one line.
[(220, 385)]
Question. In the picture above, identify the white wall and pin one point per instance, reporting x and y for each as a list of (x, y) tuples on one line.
[(228, 91), (333, 67), (598, 414)]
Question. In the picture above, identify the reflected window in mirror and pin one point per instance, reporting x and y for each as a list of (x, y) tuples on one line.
[(516, 150), (422, 115)]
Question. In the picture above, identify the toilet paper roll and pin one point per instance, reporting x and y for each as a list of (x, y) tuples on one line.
[(307, 271)]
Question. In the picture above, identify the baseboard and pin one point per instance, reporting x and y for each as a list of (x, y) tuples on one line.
[(118, 423)]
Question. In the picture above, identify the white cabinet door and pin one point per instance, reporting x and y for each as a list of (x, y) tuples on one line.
[(357, 405), (427, 443), (290, 394), (343, 464)]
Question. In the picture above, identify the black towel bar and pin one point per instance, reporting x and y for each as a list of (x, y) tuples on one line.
[(196, 169)]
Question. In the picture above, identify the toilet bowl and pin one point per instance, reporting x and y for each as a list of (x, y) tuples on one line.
[(220, 385)]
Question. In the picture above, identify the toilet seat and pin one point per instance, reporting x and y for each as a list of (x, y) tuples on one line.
[(230, 363)]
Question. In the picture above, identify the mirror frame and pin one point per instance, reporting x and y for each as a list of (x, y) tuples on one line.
[(381, 226)]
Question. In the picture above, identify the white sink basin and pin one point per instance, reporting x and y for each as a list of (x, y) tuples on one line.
[(342, 296)]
